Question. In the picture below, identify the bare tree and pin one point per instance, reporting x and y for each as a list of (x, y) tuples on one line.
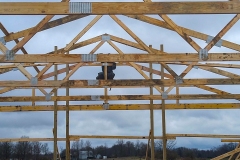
[(6, 150), (23, 150), (36, 150), (88, 147), (45, 149), (76, 147)]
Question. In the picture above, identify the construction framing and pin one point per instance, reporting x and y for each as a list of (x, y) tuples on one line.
[(10, 60)]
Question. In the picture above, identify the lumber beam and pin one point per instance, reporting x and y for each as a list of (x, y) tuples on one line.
[(77, 58), (28, 139), (226, 154), (48, 25), (115, 137), (113, 8), (118, 83), (230, 140), (204, 135), (119, 97), (18, 108), (189, 32)]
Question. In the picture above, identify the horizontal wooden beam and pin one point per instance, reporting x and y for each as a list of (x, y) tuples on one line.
[(204, 135), (120, 107), (208, 64), (111, 8), (118, 83), (140, 57), (230, 140), (118, 97), (28, 139), (114, 137)]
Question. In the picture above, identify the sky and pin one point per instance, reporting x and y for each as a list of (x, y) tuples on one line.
[(40, 124)]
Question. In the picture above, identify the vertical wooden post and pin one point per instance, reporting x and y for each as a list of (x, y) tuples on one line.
[(149, 137), (55, 114), (177, 93), (105, 77), (33, 95), (151, 114), (67, 118), (163, 116)]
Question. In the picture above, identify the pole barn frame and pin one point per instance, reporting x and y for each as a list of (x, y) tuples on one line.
[(11, 60)]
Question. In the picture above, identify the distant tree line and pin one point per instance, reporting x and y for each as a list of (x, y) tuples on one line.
[(24, 151), (121, 148)]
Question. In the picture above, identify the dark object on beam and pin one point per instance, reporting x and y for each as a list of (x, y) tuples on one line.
[(110, 74)]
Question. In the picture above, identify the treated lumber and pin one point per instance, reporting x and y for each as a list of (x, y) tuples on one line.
[(133, 64), (222, 32), (4, 30), (28, 139), (222, 65), (113, 8), (119, 97), (230, 140), (204, 135), (77, 58), (79, 44), (18, 108), (226, 154), (48, 25), (115, 137), (117, 83), (189, 32)]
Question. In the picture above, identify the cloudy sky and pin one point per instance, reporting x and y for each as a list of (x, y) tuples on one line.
[(39, 124)]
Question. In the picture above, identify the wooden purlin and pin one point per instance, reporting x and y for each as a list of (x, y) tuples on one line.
[(113, 8), (120, 107), (119, 83), (138, 57), (120, 97)]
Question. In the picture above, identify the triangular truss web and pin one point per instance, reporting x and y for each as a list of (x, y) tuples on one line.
[(178, 82)]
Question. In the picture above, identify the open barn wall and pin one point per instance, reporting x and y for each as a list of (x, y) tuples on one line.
[(206, 85)]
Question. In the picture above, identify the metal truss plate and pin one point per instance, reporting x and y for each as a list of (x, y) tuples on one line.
[(89, 57), (203, 54), (9, 55), (93, 82), (105, 106), (2, 40), (105, 37), (210, 38), (95, 97), (34, 81), (80, 7), (179, 80), (164, 95), (104, 64), (48, 97), (196, 67)]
